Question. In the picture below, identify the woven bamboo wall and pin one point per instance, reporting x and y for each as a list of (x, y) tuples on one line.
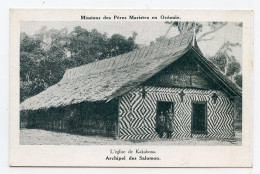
[(137, 116), (84, 118)]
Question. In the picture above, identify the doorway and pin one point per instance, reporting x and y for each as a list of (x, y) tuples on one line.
[(163, 106), (199, 118)]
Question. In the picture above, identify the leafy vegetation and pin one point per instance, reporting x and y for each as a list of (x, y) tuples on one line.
[(45, 56), (227, 62)]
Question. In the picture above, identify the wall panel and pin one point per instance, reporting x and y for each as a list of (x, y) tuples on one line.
[(137, 116)]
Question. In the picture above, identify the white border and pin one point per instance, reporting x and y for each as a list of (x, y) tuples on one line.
[(94, 155), (198, 4)]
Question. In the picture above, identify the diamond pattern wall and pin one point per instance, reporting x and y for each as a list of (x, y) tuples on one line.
[(137, 116)]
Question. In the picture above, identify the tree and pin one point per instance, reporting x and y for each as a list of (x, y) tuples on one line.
[(223, 59), (233, 68), (238, 80), (87, 46), (189, 26), (30, 53), (220, 61), (118, 44)]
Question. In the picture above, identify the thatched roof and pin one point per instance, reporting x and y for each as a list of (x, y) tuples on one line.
[(106, 79)]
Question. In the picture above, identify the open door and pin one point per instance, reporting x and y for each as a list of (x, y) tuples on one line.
[(199, 118), (163, 106)]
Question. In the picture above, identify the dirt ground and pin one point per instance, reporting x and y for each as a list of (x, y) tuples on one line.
[(43, 137)]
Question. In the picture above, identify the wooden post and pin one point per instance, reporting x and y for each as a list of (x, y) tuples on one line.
[(194, 34), (45, 120), (233, 116), (117, 136), (52, 121)]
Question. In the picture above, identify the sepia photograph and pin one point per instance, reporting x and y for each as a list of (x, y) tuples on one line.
[(163, 83), (130, 88)]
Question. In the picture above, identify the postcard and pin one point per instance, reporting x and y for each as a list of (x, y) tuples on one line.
[(131, 88)]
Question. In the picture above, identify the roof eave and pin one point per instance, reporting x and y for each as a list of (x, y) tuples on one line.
[(233, 91)]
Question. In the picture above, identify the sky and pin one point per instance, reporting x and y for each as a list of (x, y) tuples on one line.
[(147, 31)]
